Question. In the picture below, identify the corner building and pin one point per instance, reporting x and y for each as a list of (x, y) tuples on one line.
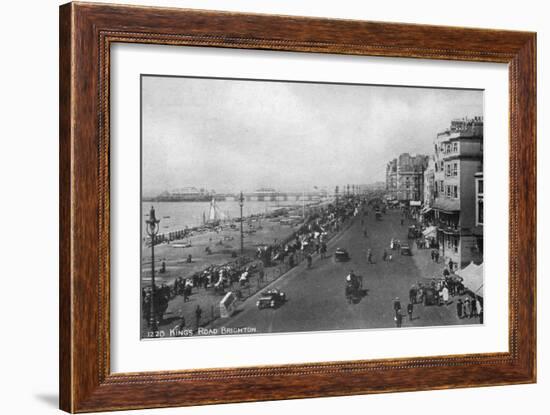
[(458, 162)]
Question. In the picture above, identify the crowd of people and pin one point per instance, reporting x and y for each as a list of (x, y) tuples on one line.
[(309, 239)]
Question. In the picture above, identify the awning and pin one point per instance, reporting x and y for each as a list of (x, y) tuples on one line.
[(425, 209), (472, 276), (430, 231), (447, 205)]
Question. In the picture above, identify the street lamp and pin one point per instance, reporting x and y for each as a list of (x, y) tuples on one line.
[(152, 231), (241, 202)]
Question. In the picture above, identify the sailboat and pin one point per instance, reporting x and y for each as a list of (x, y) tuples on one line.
[(215, 215)]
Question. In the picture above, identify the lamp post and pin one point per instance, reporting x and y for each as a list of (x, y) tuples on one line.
[(241, 202), (152, 231)]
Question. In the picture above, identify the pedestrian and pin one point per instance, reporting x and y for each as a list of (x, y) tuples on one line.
[(440, 297), (369, 256), (467, 308), (412, 294), (410, 308), (459, 307), (198, 314), (446, 272), (445, 292), (309, 260), (390, 257), (401, 221), (398, 318), (396, 304), (384, 255), (473, 307), (479, 308), (433, 255), (451, 264)]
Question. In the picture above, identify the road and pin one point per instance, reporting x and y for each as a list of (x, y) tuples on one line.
[(316, 298)]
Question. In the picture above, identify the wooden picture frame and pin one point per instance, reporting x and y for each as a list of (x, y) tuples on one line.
[(86, 33)]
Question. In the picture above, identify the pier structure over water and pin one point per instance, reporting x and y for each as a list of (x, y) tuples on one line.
[(272, 195), (263, 194)]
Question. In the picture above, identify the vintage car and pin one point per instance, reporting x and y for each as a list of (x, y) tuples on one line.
[(405, 250), (341, 255), (271, 299)]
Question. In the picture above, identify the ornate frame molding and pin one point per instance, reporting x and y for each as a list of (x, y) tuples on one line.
[(86, 33)]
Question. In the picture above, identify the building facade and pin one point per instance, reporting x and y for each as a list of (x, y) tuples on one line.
[(458, 163), (405, 178), (429, 183)]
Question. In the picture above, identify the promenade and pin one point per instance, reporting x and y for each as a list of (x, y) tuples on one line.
[(222, 245)]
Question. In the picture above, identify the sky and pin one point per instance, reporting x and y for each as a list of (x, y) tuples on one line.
[(232, 135)]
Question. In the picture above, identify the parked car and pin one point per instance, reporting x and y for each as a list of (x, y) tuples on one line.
[(406, 250), (341, 255), (271, 299)]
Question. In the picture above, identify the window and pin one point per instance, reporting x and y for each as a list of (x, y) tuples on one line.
[(480, 212), (455, 192), (480, 186), (455, 245), (448, 191), (441, 165), (455, 147), (455, 169), (448, 171)]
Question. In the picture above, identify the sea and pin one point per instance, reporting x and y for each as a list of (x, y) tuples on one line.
[(178, 215)]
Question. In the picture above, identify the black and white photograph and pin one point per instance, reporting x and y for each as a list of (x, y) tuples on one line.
[(277, 206)]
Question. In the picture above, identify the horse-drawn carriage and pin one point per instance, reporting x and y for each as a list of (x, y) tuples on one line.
[(341, 255), (354, 288)]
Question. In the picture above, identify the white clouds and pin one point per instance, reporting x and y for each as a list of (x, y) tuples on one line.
[(230, 134)]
